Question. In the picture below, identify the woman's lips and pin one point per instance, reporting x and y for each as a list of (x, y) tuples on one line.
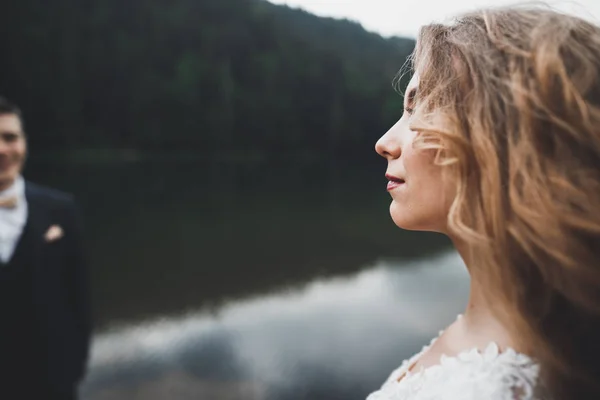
[(393, 182)]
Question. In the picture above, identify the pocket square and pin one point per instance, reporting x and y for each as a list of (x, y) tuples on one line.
[(53, 233)]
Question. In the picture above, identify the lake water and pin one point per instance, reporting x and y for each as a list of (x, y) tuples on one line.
[(230, 281)]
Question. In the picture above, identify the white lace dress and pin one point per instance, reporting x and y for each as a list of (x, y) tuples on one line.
[(471, 375)]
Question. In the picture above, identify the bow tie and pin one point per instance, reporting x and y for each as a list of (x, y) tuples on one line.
[(9, 202)]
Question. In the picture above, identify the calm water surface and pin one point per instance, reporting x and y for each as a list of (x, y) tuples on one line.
[(226, 281)]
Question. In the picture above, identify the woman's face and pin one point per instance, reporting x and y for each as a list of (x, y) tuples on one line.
[(420, 198)]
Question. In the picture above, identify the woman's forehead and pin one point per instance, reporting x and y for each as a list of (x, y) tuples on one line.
[(411, 88), (414, 83)]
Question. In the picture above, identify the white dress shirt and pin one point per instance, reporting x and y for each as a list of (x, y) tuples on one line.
[(12, 220)]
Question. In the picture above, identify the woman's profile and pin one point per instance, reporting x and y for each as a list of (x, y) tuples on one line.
[(499, 149)]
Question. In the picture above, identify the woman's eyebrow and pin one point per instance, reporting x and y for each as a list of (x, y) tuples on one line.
[(410, 98)]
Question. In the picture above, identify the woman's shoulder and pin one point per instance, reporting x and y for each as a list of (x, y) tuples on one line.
[(471, 375)]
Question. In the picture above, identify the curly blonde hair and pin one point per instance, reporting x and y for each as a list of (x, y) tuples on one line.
[(510, 100)]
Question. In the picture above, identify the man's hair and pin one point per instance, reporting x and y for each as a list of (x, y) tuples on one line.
[(7, 107)]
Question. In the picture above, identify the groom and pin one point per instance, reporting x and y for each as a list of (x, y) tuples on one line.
[(44, 310)]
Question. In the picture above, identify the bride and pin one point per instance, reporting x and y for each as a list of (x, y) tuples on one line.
[(499, 148)]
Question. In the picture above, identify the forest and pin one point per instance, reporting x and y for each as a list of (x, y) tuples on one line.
[(203, 76)]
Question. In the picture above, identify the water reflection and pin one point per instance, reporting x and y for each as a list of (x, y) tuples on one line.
[(335, 338), (164, 236)]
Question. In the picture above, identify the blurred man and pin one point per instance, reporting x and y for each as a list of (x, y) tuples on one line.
[(44, 308)]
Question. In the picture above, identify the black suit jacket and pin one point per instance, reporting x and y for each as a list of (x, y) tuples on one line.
[(59, 285)]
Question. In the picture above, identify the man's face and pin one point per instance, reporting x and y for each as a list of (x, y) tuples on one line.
[(13, 149)]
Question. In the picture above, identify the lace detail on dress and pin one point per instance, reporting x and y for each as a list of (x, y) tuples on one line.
[(471, 375)]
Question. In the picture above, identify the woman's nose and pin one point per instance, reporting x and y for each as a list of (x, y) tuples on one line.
[(389, 146)]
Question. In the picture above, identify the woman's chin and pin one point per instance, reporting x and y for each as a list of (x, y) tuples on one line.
[(402, 217), (406, 218)]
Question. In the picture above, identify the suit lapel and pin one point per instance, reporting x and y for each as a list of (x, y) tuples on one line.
[(22, 246), (37, 221)]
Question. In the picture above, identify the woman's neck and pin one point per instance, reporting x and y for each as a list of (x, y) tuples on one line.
[(479, 323)]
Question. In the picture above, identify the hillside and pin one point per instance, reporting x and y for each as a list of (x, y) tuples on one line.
[(208, 76)]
